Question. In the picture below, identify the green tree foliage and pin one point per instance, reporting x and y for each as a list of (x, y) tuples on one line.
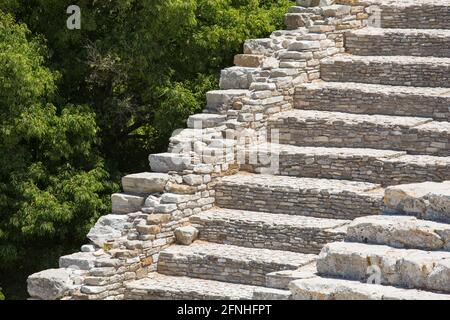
[(52, 182)]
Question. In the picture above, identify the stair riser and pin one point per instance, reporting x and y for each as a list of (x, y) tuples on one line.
[(308, 203), (408, 272), (212, 268), (399, 170), (426, 16), (389, 73), (362, 135), (358, 102), (274, 237), (397, 44)]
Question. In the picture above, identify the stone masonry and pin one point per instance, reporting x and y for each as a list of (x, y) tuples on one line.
[(319, 170)]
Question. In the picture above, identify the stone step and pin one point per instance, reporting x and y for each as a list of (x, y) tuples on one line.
[(400, 232), (161, 287), (319, 288), (371, 165), (389, 70), (409, 268), (337, 129), (419, 14), (322, 198), (228, 263), (398, 42), (365, 98), (267, 230)]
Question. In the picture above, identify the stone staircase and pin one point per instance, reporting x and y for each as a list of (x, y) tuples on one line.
[(380, 118), (333, 219)]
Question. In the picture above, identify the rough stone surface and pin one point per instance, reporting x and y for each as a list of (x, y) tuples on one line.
[(165, 162), (400, 232), (107, 228), (338, 289), (424, 270), (428, 200), (50, 284), (126, 203), (186, 235), (145, 183)]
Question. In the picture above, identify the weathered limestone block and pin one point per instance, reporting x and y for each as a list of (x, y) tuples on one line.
[(425, 270), (262, 293), (337, 289), (205, 120), (51, 284), (145, 183), (221, 101), (259, 46), (87, 248), (282, 279), (314, 3), (428, 200), (298, 20), (236, 78), (249, 60), (186, 235), (336, 10), (165, 162), (107, 228), (78, 260), (304, 45), (126, 203), (400, 232)]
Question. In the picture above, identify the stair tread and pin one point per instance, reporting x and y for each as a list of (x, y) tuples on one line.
[(171, 287), (270, 219), (379, 120), (404, 60), (382, 31), (379, 88), (288, 182), (241, 254), (319, 288), (343, 153)]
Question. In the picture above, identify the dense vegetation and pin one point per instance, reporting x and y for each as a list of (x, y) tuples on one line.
[(80, 108)]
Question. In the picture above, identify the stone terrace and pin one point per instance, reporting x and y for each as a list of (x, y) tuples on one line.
[(317, 171)]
